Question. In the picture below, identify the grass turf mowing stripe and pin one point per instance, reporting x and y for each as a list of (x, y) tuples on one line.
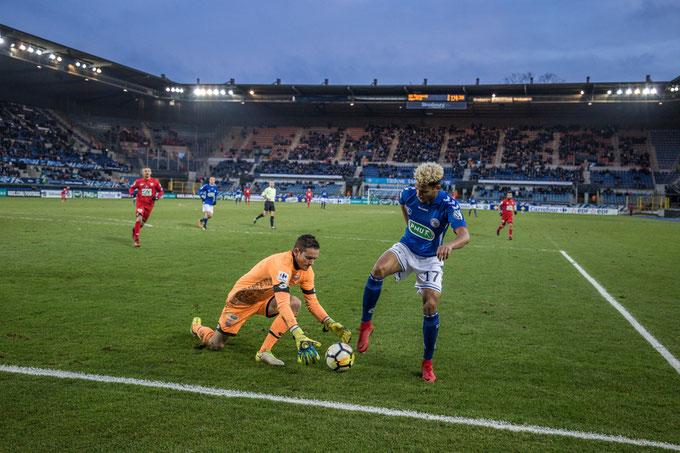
[(242, 232), (495, 424), (641, 330)]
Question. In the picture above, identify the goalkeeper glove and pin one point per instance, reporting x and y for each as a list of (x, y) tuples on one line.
[(305, 346), (338, 329)]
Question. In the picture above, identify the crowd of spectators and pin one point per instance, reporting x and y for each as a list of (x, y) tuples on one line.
[(317, 146), (289, 167), (231, 168), (617, 179), (523, 147), (375, 142), (7, 169), (592, 145), (477, 143), (633, 151), (531, 172), (419, 144)]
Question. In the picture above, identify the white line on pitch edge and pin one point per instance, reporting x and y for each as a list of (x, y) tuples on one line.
[(495, 424), (641, 330)]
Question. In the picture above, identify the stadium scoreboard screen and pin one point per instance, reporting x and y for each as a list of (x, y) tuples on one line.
[(436, 101)]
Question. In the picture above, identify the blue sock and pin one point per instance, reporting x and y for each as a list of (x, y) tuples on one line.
[(430, 331), (205, 222), (371, 295)]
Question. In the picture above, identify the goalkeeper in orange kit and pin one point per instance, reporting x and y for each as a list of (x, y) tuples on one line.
[(265, 290)]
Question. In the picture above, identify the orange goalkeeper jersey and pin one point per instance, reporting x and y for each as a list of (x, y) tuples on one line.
[(273, 276)]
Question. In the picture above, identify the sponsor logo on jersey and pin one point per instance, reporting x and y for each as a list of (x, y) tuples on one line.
[(457, 214), (421, 231), (146, 192), (283, 277), (434, 223)]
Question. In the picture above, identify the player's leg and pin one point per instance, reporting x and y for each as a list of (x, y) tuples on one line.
[(387, 264), (510, 229), (277, 329), (500, 227), (430, 331), (231, 320), (272, 212), (264, 213), (208, 216)]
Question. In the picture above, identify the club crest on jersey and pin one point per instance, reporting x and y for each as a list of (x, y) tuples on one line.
[(283, 277), (421, 231), (409, 211), (434, 223), (296, 278)]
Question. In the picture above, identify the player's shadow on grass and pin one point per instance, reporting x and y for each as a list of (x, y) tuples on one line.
[(128, 241)]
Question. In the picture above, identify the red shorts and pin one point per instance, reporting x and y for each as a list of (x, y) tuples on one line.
[(145, 210), (506, 219)]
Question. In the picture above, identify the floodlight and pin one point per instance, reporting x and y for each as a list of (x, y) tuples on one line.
[(583, 92), (637, 91), (22, 47), (619, 91), (94, 69), (652, 90), (1, 40), (231, 92), (39, 51), (609, 91), (629, 91), (31, 49), (197, 91), (78, 63), (99, 71), (84, 66), (645, 90), (58, 58), (590, 103), (251, 92), (167, 88), (223, 92), (52, 56)]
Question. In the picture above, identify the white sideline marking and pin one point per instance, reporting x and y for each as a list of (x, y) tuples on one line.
[(495, 424), (641, 330)]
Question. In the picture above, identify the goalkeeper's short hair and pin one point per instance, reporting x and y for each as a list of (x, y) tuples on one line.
[(306, 241), (429, 174)]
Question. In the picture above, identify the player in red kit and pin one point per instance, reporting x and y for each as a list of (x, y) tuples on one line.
[(64, 194), (309, 196), (507, 208), (246, 195), (148, 191)]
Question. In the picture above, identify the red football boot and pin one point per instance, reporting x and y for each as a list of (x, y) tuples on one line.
[(137, 243), (428, 374), (365, 331)]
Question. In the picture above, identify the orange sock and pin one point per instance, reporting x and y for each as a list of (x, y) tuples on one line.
[(277, 329), (202, 332)]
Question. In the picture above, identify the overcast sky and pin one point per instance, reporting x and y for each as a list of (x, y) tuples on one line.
[(355, 41)]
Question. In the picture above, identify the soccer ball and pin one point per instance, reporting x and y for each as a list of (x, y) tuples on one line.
[(339, 357)]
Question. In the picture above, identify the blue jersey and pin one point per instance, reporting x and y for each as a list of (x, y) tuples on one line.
[(427, 223), (473, 201), (238, 191), (209, 194), (324, 193)]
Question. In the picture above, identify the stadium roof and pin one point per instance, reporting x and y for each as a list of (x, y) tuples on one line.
[(38, 71)]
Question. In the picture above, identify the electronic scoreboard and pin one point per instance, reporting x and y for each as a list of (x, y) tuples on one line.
[(436, 101)]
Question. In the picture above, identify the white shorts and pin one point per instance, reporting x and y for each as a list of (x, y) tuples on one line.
[(429, 270), (207, 208)]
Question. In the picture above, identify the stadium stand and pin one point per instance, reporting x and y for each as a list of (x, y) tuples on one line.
[(586, 145), (372, 143), (667, 145), (419, 144), (622, 179)]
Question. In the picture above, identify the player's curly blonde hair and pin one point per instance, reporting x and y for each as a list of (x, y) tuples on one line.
[(429, 174)]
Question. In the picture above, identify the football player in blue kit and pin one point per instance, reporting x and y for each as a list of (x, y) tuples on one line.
[(324, 198), (428, 212), (208, 194), (473, 205)]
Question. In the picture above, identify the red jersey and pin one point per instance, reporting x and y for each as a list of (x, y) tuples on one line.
[(65, 191), (507, 207), (246, 191), (309, 195), (148, 190)]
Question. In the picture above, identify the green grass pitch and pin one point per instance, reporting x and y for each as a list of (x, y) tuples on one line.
[(524, 337)]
